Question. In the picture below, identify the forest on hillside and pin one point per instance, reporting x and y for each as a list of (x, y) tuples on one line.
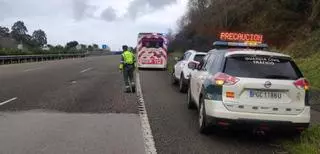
[(280, 21)]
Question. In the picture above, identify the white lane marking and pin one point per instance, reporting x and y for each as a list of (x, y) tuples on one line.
[(149, 144), (86, 70), (32, 69), (7, 101)]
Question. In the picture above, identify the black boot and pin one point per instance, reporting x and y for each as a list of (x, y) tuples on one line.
[(127, 90)]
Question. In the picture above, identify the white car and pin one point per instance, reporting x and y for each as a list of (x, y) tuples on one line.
[(181, 72), (244, 88)]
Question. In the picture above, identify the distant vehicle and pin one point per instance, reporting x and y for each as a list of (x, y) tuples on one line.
[(181, 72), (238, 84), (152, 50)]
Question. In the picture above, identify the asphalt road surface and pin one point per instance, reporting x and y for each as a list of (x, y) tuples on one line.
[(68, 106), (175, 128), (78, 106)]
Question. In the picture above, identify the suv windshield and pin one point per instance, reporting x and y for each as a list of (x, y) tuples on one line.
[(198, 58), (252, 66)]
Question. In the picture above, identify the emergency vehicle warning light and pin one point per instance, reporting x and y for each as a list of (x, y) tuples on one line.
[(242, 40)]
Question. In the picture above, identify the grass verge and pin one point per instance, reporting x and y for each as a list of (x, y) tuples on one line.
[(310, 67), (307, 55), (307, 143)]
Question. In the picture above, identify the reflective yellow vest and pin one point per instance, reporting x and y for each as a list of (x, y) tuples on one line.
[(128, 58)]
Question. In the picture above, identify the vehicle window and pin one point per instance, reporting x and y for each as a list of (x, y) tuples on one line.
[(207, 62), (152, 43), (210, 62), (215, 64), (198, 58), (203, 61), (262, 67)]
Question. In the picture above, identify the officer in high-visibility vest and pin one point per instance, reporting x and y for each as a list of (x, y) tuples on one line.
[(127, 66), (131, 49)]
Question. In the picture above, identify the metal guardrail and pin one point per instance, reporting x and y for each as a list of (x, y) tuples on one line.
[(36, 58)]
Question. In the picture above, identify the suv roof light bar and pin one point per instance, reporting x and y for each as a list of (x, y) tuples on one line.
[(250, 45)]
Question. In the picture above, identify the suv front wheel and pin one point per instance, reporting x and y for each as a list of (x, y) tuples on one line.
[(173, 78)]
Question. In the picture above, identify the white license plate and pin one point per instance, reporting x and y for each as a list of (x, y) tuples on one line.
[(261, 94)]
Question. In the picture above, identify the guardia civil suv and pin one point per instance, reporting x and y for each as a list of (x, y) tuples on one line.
[(243, 87)]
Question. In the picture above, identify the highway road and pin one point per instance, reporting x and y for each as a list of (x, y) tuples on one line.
[(78, 106), (68, 106)]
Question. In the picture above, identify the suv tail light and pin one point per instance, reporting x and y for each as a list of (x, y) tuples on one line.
[(225, 79), (302, 83)]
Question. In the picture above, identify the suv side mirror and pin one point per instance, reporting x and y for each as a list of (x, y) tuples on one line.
[(177, 58), (193, 65)]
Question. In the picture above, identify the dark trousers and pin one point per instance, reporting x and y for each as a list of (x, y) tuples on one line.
[(128, 74)]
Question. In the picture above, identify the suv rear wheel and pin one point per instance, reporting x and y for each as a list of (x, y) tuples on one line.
[(190, 101), (183, 87), (203, 122)]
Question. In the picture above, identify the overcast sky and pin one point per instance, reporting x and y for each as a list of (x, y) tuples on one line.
[(111, 22)]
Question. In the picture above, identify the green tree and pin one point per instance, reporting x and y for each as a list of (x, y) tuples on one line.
[(90, 47), (27, 40), (19, 30), (40, 37), (59, 47), (71, 44), (314, 18), (4, 32), (83, 46), (95, 46)]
